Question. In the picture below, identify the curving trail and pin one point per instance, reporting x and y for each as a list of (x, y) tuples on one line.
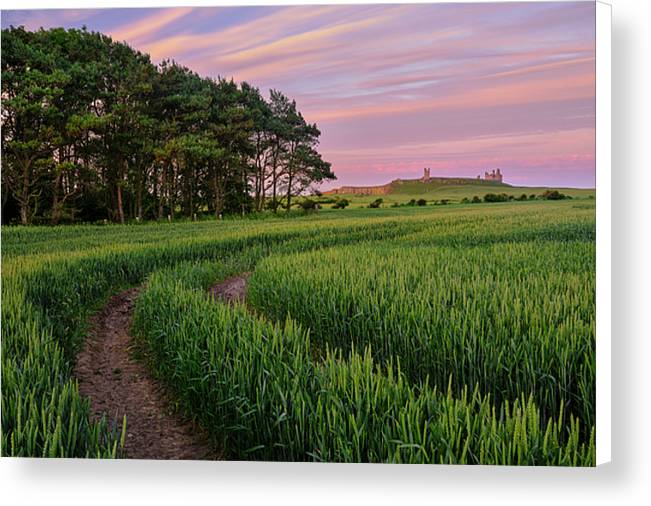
[(118, 384)]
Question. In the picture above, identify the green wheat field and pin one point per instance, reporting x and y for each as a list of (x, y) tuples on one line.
[(429, 334)]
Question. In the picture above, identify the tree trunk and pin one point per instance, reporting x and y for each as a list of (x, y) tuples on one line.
[(55, 190), (263, 191), (257, 176), (289, 190), (120, 208), (154, 176), (24, 213), (257, 192), (56, 206), (139, 190), (139, 205), (24, 197), (190, 200), (219, 205), (173, 189), (161, 192), (274, 189), (5, 199)]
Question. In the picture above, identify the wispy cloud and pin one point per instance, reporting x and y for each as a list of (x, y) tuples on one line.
[(394, 87), (142, 31)]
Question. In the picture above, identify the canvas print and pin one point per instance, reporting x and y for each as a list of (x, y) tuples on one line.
[(314, 233)]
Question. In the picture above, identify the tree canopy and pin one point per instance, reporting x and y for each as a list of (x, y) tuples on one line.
[(93, 130)]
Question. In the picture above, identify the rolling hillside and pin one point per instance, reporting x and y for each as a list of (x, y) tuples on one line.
[(454, 190)]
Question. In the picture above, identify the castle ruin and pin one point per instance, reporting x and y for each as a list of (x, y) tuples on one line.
[(495, 175)]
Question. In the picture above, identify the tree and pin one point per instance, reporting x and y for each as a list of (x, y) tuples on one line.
[(91, 129), (30, 89), (232, 128), (262, 138), (294, 142)]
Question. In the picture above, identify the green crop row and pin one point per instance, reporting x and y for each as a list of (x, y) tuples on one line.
[(53, 278), (448, 225), (514, 318), (256, 388), (43, 414), (48, 295)]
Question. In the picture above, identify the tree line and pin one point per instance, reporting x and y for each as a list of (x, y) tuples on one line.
[(93, 130)]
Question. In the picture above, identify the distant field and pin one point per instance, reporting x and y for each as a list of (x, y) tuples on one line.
[(454, 334), (456, 192)]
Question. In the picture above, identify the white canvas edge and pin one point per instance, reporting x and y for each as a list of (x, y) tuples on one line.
[(603, 22), (604, 243)]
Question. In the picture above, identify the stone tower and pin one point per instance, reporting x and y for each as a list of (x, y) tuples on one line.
[(495, 175), (426, 175)]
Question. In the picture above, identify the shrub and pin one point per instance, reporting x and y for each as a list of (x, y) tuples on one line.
[(476, 200), (375, 204), (421, 202), (522, 197), (341, 204), (273, 204), (494, 197), (465, 200), (553, 195), (308, 205), (532, 196)]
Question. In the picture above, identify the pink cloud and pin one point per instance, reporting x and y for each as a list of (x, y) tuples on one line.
[(139, 32), (393, 88)]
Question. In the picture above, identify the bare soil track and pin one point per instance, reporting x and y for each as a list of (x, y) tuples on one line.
[(118, 384), (231, 290)]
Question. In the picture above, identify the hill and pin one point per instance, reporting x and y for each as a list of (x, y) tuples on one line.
[(453, 189)]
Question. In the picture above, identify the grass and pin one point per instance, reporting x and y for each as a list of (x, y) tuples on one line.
[(435, 191), (255, 386), (324, 405), (514, 317)]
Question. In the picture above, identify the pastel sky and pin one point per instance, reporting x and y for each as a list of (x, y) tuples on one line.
[(460, 88)]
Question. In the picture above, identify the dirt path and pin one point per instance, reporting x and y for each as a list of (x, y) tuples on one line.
[(118, 384), (231, 290)]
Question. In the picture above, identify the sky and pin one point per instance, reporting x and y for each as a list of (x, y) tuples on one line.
[(460, 88)]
